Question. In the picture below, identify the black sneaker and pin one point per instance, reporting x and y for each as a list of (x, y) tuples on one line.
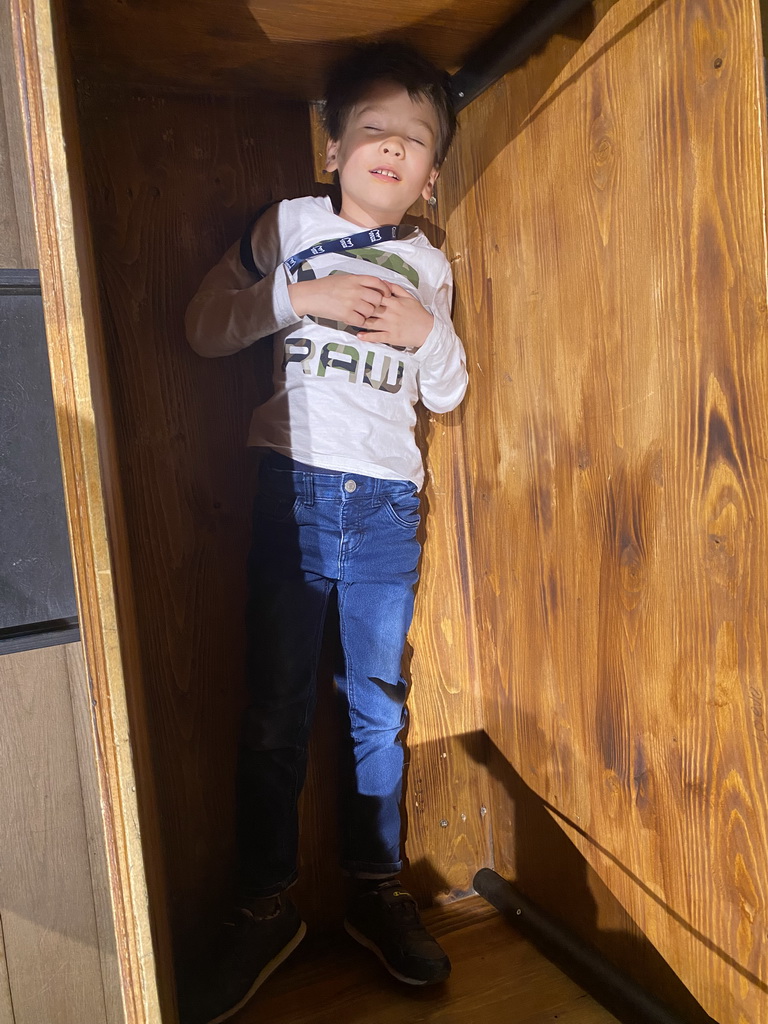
[(251, 949), (386, 920)]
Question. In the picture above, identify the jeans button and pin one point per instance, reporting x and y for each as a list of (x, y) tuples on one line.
[(350, 486)]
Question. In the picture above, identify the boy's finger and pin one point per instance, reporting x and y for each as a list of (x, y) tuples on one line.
[(368, 297), (400, 292), (384, 317), (376, 282), (374, 297)]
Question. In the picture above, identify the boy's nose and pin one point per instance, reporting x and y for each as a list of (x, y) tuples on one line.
[(393, 147)]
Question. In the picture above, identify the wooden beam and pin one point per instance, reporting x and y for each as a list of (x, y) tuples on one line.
[(261, 46), (91, 486)]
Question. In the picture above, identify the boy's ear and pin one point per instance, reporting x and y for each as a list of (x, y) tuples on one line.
[(331, 152), (426, 192)]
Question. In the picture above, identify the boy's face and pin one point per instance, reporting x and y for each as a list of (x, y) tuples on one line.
[(385, 156)]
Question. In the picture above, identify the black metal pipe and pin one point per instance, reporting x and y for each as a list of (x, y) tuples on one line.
[(597, 975), (510, 45)]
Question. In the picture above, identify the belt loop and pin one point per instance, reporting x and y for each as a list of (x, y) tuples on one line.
[(309, 489)]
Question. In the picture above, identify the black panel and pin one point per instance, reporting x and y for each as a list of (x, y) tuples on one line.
[(36, 588), (47, 634)]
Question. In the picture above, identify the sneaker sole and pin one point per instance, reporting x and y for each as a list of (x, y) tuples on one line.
[(273, 964), (365, 941)]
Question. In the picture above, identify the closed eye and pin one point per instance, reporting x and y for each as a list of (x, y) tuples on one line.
[(418, 141)]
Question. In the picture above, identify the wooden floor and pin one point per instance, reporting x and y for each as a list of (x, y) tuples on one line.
[(498, 978)]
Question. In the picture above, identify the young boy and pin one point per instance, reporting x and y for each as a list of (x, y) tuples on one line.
[(362, 331)]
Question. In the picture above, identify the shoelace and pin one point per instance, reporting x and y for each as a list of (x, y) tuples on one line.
[(405, 909)]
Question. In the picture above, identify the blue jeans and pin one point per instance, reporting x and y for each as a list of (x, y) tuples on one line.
[(319, 534)]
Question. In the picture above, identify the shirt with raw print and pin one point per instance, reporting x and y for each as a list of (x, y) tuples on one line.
[(339, 401)]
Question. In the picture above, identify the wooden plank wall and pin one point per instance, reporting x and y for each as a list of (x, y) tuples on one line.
[(447, 790), (55, 904), (59, 961), (73, 332), (172, 180), (608, 207), (18, 247)]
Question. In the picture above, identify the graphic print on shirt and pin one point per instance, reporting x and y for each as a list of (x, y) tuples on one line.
[(375, 369)]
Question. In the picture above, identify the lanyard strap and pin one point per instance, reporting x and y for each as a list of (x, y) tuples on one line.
[(372, 236)]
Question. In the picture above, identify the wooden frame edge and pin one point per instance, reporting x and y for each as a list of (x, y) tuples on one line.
[(70, 296)]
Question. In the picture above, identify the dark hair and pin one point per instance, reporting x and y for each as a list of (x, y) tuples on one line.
[(351, 77)]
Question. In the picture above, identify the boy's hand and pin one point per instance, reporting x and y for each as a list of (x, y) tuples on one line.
[(350, 298), (400, 320)]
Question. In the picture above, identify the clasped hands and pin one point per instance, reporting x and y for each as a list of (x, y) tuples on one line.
[(389, 314)]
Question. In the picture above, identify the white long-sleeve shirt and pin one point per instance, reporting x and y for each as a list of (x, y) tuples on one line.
[(339, 402)]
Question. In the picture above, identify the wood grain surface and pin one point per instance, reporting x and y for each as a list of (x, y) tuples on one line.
[(257, 45), (72, 663), (610, 219), (447, 790), (172, 182), (497, 978), (49, 926), (94, 504), (531, 848), (18, 248), (10, 253), (55, 897)]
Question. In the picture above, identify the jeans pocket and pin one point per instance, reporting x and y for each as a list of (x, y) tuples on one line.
[(404, 510)]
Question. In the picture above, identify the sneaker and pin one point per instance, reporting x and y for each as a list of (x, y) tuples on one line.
[(386, 921), (251, 949)]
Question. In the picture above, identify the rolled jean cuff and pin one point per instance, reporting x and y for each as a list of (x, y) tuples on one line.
[(255, 892), (359, 869)]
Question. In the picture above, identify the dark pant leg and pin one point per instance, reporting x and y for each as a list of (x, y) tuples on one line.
[(286, 613)]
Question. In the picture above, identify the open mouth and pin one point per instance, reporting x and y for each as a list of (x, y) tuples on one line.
[(384, 172)]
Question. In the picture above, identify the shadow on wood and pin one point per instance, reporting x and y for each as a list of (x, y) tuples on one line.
[(532, 850)]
